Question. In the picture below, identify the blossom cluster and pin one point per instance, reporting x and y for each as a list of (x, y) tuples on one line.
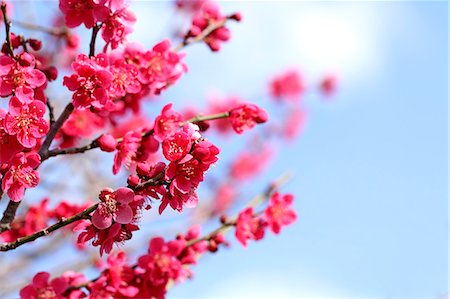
[(39, 216), (23, 125), (164, 263), (278, 213)]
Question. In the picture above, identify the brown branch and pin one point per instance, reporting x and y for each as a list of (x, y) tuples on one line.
[(44, 232), (51, 112), (95, 31), (94, 144), (204, 34), (7, 29), (52, 31), (8, 215), (43, 151), (64, 222)]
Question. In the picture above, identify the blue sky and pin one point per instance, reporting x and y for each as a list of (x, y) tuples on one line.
[(371, 167)]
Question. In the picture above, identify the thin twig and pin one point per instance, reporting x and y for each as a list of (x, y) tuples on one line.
[(51, 112), (207, 31), (94, 144), (52, 31), (95, 31), (7, 29), (63, 222)]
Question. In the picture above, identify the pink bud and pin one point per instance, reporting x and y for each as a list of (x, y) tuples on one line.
[(107, 143), (236, 16), (133, 180), (35, 44)]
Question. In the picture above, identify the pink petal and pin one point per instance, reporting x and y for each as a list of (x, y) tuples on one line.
[(59, 284), (124, 195), (124, 214), (101, 221), (40, 280)]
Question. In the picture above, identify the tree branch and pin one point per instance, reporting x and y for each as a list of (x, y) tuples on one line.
[(95, 31), (8, 215), (52, 31), (207, 31), (94, 144), (7, 29), (63, 222), (43, 151)]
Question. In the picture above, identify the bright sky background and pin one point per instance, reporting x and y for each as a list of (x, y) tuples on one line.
[(371, 167)]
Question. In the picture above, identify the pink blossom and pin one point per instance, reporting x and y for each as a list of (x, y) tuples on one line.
[(74, 279), (35, 218), (289, 85), (246, 117), (90, 82), (117, 26), (81, 124), (177, 146), (167, 123), (206, 153), (116, 281), (191, 6), (41, 288), (87, 12), (9, 146), (124, 79), (26, 121), (224, 197), (295, 123), (21, 174), (126, 151), (185, 174), (279, 212), (250, 163), (249, 227), (20, 77), (210, 14), (160, 67), (114, 206), (160, 265), (105, 238)]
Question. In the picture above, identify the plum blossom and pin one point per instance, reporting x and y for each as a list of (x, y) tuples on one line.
[(87, 12), (167, 123), (105, 238), (21, 174), (209, 13), (90, 82), (114, 206), (289, 85), (249, 227), (160, 265), (160, 67), (246, 117), (279, 213), (26, 121), (20, 77), (124, 79), (118, 25), (42, 288)]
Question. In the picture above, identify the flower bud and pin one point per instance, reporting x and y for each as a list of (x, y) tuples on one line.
[(107, 143)]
